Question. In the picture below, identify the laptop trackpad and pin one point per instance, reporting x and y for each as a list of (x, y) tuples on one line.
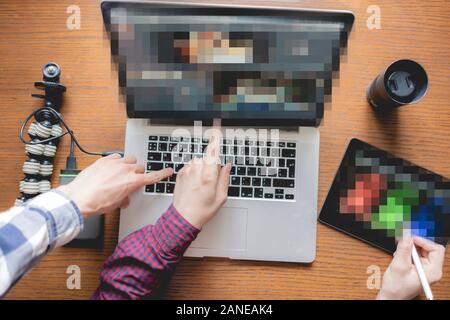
[(227, 231)]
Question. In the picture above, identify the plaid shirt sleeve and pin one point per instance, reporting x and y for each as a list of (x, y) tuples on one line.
[(27, 233), (143, 260)]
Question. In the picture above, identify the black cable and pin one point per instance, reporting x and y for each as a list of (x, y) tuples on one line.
[(66, 126)]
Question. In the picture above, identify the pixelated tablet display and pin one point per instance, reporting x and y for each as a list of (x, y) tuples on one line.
[(379, 198), (206, 61)]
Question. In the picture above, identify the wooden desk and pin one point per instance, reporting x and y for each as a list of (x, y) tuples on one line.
[(34, 33)]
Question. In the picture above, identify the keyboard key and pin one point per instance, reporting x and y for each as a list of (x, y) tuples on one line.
[(173, 146), (183, 147), (290, 163), (173, 178), (266, 182), (258, 192), (241, 171), (177, 157), (249, 161), (282, 173), (152, 146), (270, 162), (154, 156), (162, 146), (291, 173), (153, 138), (278, 196), (268, 195), (289, 196), (246, 192), (159, 188), (229, 159), (251, 171), (262, 172), (256, 182), (168, 165), (274, 152), (272, 172), (235, 181), (174, 139), (167, 157), (239, 160), (282, 162), (187, 157), (233, 170), (245, 181), (170, 187), (281, 144), (288, 153), (153, 166), (291, 144), (178, 167), (279, 191), (283, 183), (233, 191), (163, 138), (150, 188), (263, 152)]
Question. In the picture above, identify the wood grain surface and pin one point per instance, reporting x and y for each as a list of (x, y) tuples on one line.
[(35, 32)]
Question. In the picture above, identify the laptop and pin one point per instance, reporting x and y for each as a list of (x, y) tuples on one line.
[(266, 73)]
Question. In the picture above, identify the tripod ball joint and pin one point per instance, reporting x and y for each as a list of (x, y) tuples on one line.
[(51, 72)]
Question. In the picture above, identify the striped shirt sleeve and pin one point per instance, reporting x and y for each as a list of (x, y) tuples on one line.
[(27, 233)]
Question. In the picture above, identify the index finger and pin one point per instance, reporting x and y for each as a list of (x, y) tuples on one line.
[(142, 179), (426, 244), (213, 148)]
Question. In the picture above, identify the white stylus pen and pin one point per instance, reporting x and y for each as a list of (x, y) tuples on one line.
[(422, 276)]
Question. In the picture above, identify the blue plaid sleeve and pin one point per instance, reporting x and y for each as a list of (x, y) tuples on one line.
[(28, 233)]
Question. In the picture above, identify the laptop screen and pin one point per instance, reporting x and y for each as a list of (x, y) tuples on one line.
[(232, 63)]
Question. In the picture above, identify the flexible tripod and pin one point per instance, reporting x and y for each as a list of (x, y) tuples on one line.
[(44, 133)]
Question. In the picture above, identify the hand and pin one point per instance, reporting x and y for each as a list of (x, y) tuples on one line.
[(202, 186), (106, 184), (401, 281)]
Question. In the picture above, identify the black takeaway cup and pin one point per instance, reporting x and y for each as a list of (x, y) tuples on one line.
[(403, 82)]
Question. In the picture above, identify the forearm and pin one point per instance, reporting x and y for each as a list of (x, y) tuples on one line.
[(28, 233), (144, 258)]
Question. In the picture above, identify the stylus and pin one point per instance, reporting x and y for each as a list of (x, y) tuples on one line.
[(421, 272)]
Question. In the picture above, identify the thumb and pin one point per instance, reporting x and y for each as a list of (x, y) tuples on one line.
[(402, 256)]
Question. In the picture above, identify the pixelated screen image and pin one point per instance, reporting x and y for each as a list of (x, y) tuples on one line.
[(379, 198), (202, 62)]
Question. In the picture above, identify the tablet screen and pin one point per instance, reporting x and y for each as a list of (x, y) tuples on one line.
[(379, 198)]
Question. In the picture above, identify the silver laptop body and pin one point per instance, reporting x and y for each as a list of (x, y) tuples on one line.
[(250, 229)]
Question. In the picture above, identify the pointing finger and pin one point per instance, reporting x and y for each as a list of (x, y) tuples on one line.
[(155, 176)]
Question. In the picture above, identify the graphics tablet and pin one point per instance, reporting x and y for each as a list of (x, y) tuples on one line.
[(379, 198)]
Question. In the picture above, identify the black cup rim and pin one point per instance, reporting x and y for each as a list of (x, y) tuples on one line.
[(419, 68)]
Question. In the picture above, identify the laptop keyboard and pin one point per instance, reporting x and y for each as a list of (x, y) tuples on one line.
[(261, 170)]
